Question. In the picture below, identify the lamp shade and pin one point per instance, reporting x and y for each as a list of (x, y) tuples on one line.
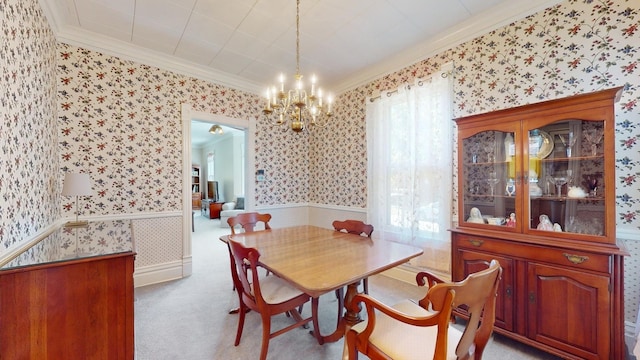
[(76, 185)]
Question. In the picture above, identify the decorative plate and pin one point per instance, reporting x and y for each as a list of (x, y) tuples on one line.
[(547, 145)]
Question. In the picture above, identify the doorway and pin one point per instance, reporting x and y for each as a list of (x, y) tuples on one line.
[(219, 160), (206, 120)]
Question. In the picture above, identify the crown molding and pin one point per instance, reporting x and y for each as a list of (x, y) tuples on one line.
[(124, 50), (478, 25), (52, 13)]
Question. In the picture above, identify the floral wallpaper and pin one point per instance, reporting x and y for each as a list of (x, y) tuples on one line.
[(70, 109), (28, 138), (578, 46), (120, 121)]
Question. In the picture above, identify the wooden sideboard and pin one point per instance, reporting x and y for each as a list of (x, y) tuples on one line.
[(56, 303)]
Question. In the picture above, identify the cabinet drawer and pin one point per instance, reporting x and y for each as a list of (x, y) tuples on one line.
[(559, 256)]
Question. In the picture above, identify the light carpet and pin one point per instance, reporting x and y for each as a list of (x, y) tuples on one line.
[(188, 318)]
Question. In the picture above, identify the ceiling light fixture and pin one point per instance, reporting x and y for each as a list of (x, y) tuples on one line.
[(297, 105), (216, 130)]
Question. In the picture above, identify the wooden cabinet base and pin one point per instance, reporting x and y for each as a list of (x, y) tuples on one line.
[(572, 310), (76, 309)]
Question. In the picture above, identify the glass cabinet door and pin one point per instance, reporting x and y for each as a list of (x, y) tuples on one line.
[(565, 177), (489, 177)]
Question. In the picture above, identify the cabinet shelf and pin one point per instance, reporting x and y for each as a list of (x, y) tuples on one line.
[(574, 158), (588, 199)]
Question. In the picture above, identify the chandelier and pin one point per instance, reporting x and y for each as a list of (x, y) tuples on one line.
[(298, 106)]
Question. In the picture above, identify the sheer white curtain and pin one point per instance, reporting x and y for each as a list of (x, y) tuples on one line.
[(410, 153)]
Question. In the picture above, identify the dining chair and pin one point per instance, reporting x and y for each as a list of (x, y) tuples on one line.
[(405, 330), (267, 296), (356, 227), (248, 221)]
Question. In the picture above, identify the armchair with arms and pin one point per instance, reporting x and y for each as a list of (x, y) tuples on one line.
[(404, 331)]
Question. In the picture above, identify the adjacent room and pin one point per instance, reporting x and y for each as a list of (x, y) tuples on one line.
[(382, 144)]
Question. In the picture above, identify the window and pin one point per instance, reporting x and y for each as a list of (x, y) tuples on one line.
[(210, 166), (410, 154)]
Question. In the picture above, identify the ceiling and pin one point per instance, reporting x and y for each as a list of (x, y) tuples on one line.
[(200, 133), (246, 44)]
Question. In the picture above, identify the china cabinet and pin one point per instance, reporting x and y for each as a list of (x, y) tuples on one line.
[(537, 192)]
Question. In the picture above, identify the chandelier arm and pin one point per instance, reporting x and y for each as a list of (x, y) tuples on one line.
[(297, 107), (321, 124)]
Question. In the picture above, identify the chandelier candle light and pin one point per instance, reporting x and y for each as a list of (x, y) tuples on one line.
[(300, 107)]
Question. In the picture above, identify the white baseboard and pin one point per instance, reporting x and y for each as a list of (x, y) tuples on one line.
[(155, 274), (407, 273), (401, 274), (187, 266)]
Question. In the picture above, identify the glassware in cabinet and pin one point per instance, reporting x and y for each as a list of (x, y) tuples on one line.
[(565, 176), (489, 173)]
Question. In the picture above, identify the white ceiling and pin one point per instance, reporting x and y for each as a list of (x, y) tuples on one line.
[(247, 43), (200, 133)]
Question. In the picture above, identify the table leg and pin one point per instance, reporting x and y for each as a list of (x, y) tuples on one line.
[(352, 315), (350, 318)]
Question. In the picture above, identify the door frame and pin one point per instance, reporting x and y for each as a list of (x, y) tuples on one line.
[(249, 126)]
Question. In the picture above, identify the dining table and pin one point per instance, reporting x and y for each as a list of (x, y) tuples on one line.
[(317, 260)]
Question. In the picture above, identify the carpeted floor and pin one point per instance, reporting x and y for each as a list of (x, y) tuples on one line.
[(188, 318)]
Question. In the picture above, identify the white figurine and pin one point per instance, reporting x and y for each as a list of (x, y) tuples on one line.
[(475, 216), (545, 223), (557, 227), (576, 192)]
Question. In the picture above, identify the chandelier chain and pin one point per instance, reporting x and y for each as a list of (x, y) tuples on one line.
[(298, 106), (298, 37)]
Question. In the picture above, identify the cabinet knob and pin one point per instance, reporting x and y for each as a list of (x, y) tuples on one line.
[(508, 291), (576, 259), (476, 242)]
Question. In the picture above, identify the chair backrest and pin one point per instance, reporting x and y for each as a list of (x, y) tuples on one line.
[(248, 221), (353, 227), (244, 259), (478, 292)]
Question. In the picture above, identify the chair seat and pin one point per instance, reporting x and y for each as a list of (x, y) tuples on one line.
[(275, 290), (402, 341)]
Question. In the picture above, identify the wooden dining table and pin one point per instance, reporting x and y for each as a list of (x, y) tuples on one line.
[(318, 260)]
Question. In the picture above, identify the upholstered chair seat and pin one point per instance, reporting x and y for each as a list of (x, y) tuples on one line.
[(275, 290), (422, 330), (403, 341)]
